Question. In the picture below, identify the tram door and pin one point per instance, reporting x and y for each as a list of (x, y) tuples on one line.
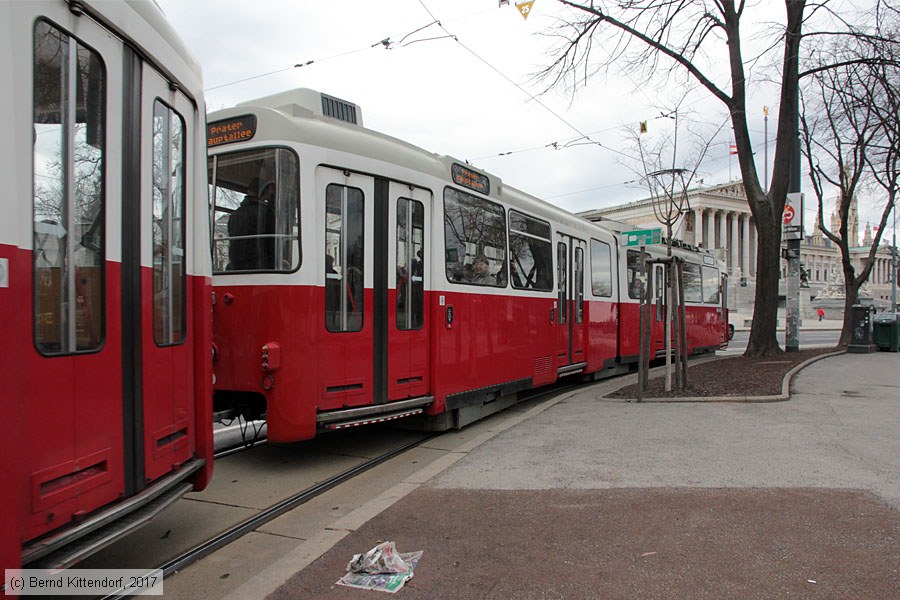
[(108, 375), (72, 427), (658, 318), (375, 347), (167, 384), (408, 345), (570, 261)]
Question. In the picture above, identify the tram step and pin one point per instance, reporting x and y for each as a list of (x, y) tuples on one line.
[(371, 420), (80, 541)]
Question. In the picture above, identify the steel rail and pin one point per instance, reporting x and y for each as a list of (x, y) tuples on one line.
[(276, 510)]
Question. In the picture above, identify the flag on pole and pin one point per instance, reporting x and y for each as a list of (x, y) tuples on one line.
[(732, 149)]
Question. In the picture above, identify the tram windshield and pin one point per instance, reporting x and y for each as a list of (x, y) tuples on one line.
[(255, 199)]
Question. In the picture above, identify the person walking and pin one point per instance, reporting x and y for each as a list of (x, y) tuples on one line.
[(821, 313)]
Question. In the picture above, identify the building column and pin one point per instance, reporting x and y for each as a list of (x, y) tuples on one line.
[(735, 247), (745, 258), (710, 230), (723, 230), (698, 226)]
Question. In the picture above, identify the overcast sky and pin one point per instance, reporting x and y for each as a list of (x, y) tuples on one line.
[(468, 97)]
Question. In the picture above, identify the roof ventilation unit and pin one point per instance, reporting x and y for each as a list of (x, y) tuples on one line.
[(303, 101)]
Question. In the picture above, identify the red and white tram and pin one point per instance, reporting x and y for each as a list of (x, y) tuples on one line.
[(359, 278), (105, 276)]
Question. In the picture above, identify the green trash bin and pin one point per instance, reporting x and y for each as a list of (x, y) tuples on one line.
[(887, 332)]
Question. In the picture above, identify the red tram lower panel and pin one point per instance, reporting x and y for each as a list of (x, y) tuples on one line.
[(64, 452), (275, 355)]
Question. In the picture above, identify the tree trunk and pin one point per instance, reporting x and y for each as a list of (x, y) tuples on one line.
[(851, 297), (763, 340), (767, 208)]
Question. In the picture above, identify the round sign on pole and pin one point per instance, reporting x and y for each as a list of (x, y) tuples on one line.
[(788, 214)]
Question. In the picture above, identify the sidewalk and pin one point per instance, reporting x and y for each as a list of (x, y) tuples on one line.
[(594, 498), (741, 323)]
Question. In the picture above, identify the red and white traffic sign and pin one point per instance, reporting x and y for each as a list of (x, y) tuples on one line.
[(788, 214), (792, 217)]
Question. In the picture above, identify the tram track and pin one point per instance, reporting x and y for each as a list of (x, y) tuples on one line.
[(243, 447), (216, 541), (237, 531)]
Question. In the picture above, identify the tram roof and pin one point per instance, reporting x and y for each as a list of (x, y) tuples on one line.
[(280, 119), (166, 50)]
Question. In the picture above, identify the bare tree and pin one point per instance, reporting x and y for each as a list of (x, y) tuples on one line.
[(667, 169), (664, 37), (850, 139), (667, 181)]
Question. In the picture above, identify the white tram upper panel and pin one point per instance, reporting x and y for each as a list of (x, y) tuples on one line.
[(141, 25), (295, 117)]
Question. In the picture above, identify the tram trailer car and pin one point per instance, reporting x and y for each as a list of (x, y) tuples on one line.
[(705, 287), (105, 276), (359, 278)]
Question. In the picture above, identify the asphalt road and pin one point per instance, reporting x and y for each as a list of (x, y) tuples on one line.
[(808, 339)]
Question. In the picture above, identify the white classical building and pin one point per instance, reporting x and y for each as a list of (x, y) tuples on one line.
[(719, 218)]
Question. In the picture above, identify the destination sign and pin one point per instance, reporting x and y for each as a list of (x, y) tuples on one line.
[(642, 237), (471, 179), (228, 131)]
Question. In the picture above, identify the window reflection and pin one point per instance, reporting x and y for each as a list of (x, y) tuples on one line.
[(530, 253), (410, 263), (344, 258), (601, 272), (68, 212), (475, 238), (169, 272)]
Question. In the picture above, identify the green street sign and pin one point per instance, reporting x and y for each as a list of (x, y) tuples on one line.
[(642, 237)]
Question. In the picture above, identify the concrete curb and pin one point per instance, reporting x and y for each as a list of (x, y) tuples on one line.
[(784, 395)]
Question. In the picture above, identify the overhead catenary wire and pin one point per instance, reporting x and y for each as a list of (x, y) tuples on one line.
[(581, 139), (385, 42), (522, 89)]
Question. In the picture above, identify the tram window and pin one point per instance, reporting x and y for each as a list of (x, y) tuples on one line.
[(475, 240), (562, 269), (169, 276), (410, 266), (710, 285), (635, 281), (530, 253), (579, 285), (255, 195), (692, 283), (344, 258), (601, 273), (68, 192)]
